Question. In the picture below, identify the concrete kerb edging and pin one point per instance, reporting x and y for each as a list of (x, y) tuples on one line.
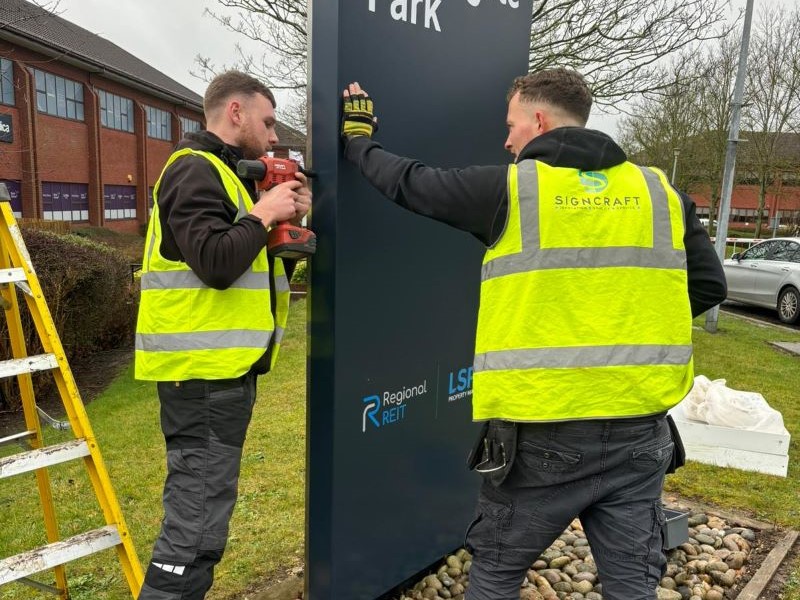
[(761, 578)]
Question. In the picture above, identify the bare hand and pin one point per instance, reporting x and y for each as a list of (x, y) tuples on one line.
[(278, 204), (303, 203)]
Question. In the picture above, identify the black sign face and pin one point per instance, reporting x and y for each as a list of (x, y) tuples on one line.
[(394, 295), (6, 129)]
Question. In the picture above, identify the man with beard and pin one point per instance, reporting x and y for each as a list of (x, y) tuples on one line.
[(212, 313), (593, 271)]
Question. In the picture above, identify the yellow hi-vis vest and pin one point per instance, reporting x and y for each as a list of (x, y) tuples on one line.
[(584, 308), (187, 330)]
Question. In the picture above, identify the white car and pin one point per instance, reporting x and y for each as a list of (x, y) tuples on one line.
[(767, 274)]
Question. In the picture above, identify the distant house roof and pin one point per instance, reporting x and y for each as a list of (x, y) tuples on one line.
[(787, 147), (290, 137), (25, 24)]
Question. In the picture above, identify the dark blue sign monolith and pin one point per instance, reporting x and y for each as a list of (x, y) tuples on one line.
[(394, 296)]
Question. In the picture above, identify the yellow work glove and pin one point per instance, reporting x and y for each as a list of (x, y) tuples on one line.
[(357, 116)]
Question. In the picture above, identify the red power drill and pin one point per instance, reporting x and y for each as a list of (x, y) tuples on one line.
[(284, 240)]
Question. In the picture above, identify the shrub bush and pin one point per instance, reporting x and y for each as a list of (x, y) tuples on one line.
[(90, 294), (300, 274)]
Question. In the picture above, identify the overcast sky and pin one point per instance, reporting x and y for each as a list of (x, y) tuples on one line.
[(169, 34)]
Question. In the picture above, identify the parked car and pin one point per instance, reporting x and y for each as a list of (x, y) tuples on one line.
[(767, 274)]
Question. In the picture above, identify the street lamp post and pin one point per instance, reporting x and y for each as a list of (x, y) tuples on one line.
[(712, 316), (675, 152)]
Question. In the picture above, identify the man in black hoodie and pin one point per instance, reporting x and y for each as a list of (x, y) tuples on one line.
[(593, 271), (212, 312)]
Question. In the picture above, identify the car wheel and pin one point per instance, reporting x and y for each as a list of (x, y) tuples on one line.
[(789, 305)]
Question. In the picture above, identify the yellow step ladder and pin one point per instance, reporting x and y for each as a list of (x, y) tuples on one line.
[(16, 271)]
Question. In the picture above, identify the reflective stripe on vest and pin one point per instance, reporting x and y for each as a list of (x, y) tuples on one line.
[(577, 322), (186, 329)]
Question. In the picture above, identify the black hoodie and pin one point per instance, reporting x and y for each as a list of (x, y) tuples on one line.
[(198, 223), (197, 218), (474, 199)]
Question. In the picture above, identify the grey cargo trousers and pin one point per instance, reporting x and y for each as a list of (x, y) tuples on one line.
[(204, 425), (608, 473)]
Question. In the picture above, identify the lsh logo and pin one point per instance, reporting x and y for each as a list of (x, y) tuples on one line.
[(459, 384)]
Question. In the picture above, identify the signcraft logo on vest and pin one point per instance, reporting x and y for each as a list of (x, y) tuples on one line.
[(389, 408), (595, 183), (459, 384)]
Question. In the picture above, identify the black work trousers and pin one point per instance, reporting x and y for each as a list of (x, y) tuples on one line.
[(608, 473), (204, 425)]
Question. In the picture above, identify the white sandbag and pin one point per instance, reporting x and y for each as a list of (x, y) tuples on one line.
[(741, 410), (713, 402)]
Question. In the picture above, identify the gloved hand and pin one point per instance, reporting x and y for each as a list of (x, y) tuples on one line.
[(357, 113)]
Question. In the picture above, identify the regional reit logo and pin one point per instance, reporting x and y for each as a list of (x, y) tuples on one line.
[(593, 181), (389, 407)]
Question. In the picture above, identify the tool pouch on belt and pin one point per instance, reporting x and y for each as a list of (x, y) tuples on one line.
[(494, 451), (678, 452)]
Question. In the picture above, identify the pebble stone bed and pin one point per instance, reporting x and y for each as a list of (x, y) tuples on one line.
[(703, 568)]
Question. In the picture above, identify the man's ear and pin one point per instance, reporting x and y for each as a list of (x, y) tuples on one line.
[(542, 121), (235, 112)]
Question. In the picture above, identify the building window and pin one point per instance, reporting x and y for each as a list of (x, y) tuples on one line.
[(65, 201), (58, 96), (15, 191), (119, 201), (6, 82), (116, 112), (158, 123), (189, 125)]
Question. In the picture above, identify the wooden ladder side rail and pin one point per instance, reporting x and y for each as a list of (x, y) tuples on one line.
[(32, 423), (11, 239)]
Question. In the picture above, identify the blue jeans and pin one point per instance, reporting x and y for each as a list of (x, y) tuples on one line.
[(609, 473)]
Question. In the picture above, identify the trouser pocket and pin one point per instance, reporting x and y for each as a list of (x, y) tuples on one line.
[(485, 534)]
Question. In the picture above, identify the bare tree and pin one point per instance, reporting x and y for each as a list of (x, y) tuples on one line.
[(281, 26), (619, 44), (655, 130), (713, 111), (773, 80), (616, 44), (692, 115)]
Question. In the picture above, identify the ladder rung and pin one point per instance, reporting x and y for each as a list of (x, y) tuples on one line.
[(12, 275), (17, 437), (42, 457), (29, 364), (58, 553)]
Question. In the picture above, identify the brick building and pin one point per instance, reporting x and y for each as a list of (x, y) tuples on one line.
[(86, 127), (781, 191)]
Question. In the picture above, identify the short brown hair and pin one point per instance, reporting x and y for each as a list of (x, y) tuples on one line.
[(224, 85), (563, 88)]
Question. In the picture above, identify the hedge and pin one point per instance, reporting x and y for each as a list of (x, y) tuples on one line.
[(91, 296)]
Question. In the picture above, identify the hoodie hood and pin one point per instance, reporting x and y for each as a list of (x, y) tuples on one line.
[(576, 148), (209, 142)]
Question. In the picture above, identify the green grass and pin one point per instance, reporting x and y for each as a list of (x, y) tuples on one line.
[(741, 354), (267, 529)]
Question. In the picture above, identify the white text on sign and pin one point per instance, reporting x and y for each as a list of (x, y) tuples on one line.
[(423, 12)]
